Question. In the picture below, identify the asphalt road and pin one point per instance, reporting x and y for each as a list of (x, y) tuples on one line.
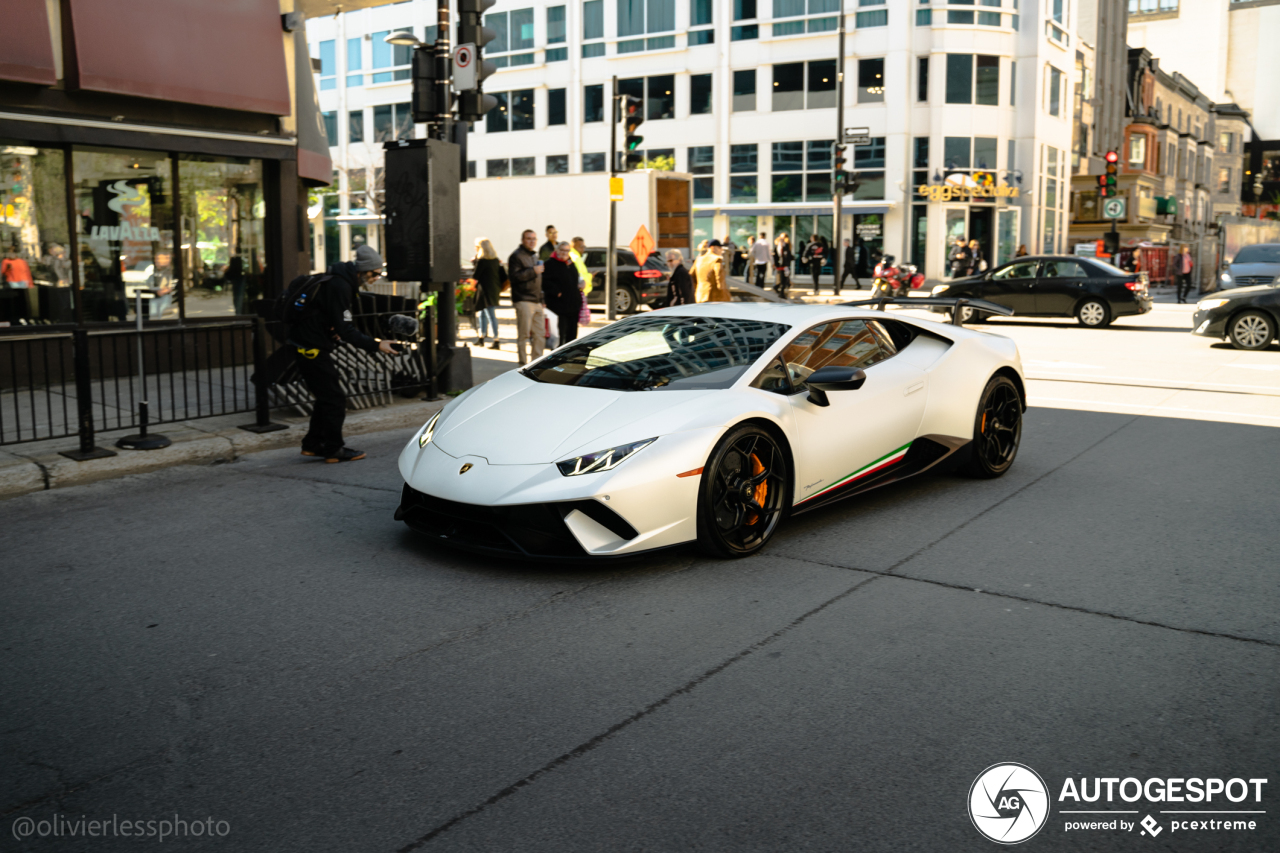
[(261, 644)]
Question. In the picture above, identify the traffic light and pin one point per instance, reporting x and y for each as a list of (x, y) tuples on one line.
[(426, 101), (1107, 183), (474, 103), (842, 182), (632, 109)]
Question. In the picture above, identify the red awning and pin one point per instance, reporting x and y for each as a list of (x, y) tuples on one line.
[(27, 53), (225, 54)]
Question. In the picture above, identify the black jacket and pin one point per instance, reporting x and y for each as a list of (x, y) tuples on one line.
[(489, 276), (782, 256), (526, 281), (331, 314), (560, 287), (680, 288)]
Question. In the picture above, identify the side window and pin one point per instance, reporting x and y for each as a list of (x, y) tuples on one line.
[(847, 343), (1063, 269), (595, 258), (884, 337), (1024, 269), (773, 378), (626, 259)]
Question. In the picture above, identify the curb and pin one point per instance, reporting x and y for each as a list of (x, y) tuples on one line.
[(39, 466)]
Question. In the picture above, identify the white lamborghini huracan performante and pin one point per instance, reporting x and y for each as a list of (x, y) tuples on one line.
[(710, 424)]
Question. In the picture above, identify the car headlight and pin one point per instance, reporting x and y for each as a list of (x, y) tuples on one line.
[(602, 460), (1225, 278), (1207, 304), (429, 430), (939, 289)]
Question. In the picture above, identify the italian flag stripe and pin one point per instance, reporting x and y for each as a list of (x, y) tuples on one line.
[(881, 463)]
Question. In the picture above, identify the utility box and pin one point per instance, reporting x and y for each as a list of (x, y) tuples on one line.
[(578, 206), (422, 211)]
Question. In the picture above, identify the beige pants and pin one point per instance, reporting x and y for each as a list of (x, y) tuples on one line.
[(530, 323)]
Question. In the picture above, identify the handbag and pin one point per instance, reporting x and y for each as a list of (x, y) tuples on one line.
[(584, 313)]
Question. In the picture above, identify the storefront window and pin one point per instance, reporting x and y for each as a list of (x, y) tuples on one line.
[(222, 234), (35, 260), (124, 213)]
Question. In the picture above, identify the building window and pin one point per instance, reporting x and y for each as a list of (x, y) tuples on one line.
[(355, 126), (968, 74), (497, 168), (924, 17), (556, 107), (1053, 91), (870, 81), (555, 25), (702, 161), (638, 17), (802, 171), (922, 79), (395, 57), (697, 37), (871, 17), (989, 19), (1224, 180), (661, 99), (796, 86), (522, 166), (744, 10), (744, 90), (700, 15), (522, 109), (743, 168), (984, 152), (798, 9), (868, 169), (592, 28), (956, 153), (392, 122), (987, 85), (1013, 84), (328, 67), (700, 94), (1226, 142), (471, 169), (331, 126), (557, 164), (920, 162), (1138, 151), (514, 31), (744, 33), (355, 53), (593, 162), (592, 103)]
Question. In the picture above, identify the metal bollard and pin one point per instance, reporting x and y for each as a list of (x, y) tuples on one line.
[(84, 401), (262, 407)]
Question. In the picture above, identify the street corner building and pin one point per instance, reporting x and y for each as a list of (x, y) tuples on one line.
[(159, 146)]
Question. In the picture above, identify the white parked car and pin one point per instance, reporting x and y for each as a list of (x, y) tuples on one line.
[(707, 423)]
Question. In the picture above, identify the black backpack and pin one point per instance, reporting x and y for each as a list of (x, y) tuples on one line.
[(299, 298)]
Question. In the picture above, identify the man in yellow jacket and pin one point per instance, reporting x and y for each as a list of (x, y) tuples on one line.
[(709, 275)]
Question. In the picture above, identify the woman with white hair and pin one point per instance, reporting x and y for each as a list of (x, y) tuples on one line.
[(560, 291), (680, 285)]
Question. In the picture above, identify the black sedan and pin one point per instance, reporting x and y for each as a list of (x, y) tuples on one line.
[(638, 284), (1246, 316), (1092, 291)]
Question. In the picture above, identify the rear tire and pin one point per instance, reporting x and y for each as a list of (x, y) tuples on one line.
[(744, 493), (997, 431), (625, 300), (968, 314), (1093, 314), (1252, 330)]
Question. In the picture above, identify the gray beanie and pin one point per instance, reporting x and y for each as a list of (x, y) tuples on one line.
[(367, 259)]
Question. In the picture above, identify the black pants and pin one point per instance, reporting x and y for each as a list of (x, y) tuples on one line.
[(321, 376), (760, 268), (784, 281), (816, 268), (567, 325), (845, 273), (1184, 287)]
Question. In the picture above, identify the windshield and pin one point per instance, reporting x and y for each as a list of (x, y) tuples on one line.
[(1265, 254), (1109, 268), (660, 352)]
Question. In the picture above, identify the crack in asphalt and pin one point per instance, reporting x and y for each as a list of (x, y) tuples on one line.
[(589, 745), (65, 788)]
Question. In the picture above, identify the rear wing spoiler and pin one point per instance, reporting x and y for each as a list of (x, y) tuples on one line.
[(955, 303)]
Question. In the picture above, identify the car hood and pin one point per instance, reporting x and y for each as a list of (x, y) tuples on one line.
[(513, 420), (1240, 292), (1253, 269)]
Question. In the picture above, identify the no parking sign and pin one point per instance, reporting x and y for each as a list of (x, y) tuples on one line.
[(464, 67)]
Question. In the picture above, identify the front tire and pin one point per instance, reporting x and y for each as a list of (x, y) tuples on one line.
[(745, 492), (997, 430), (1252, 330), (1093, 314)]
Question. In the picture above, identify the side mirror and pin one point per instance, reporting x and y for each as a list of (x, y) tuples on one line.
[(833, 379)]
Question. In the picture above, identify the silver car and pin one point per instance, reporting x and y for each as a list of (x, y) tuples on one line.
[(1252, 266)]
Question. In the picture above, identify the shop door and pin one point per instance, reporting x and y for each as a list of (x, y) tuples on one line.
[(1006, 235), (981, 228)]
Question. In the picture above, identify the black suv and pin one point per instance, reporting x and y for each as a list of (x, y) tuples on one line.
[(637, 284)]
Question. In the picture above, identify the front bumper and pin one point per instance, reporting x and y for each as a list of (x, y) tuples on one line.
[(1211, 323)]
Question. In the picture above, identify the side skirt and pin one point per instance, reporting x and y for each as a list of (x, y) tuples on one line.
[(921, 455)]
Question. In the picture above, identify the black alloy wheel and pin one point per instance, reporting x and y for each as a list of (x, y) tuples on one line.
[(1093, 313), (744, 493), (1252, 330), (997, 430)]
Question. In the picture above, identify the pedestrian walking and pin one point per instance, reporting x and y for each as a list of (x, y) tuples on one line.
[(730, 253), (1184, 273), (782, 260), (760, 259), (548, 248), (680, 284), (976, 262), (1022, 251), (812, 258), (561, 293), (709, 275), (314, 336), (234, 275), (524, 270), (849, 267), (490, 279), (959, 258)]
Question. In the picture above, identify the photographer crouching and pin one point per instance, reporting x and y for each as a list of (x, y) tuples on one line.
[(318, 311)]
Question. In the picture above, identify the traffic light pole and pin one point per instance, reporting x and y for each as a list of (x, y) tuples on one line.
[(837, 190), (611, 255), (446, 315)]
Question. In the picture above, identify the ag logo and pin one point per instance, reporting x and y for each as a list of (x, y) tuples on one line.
[(465, 468), (1008, 803)]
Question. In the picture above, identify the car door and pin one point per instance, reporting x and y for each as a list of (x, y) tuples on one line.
[(596, 261), (1013, 285), (860, 431), (1059, 286)]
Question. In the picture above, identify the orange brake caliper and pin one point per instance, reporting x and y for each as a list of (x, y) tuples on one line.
[(762, 490)]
